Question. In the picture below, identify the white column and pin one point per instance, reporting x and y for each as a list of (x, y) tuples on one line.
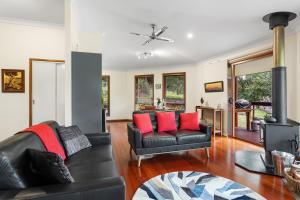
[(68, 84), (76, 40)]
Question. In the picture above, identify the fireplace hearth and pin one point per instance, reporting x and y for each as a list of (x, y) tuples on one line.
[(279, 133)]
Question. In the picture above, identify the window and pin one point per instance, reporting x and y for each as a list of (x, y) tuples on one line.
[(106, 94), (144, 90), (174, 90)]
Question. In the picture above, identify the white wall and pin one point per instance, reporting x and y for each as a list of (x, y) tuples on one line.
[(292, 64), (122, 88), (119, 95), (19, 42), (211, 72), (297, 82), (261, 65)]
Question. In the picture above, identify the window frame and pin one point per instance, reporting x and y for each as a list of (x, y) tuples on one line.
[(108, 92), (135, 87), (164, 75)]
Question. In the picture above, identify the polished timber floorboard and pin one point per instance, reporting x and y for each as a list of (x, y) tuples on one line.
[(220, 163)]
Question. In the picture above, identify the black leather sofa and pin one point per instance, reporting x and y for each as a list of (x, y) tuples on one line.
[(93, 169), (167, 142)]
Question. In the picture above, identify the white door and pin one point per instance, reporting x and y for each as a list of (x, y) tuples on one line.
[(47, 92)]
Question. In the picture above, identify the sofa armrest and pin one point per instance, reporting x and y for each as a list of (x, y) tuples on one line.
[(134, 136), (206, 128), (99, 138), (109, 188)]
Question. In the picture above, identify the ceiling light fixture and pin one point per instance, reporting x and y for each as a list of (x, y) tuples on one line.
[(145, 55), (190, 35)]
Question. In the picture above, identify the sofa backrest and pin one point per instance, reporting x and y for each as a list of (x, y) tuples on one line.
[(153, 116), (14, 166)]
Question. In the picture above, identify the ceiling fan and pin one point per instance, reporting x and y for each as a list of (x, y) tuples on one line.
[(155, 35)]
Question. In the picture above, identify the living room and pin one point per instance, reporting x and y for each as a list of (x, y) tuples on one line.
[(166, 77)]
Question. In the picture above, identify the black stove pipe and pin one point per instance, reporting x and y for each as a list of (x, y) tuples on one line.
[(277, 22)]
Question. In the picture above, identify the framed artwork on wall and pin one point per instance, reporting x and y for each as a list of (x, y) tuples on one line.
[(157, 86), (13, 80), (217, 86)]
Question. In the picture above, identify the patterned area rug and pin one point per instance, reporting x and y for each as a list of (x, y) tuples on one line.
[(188, 185)]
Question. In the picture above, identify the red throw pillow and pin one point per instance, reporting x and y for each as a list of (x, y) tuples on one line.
[(189, 121), (143, 122), (166, 121)]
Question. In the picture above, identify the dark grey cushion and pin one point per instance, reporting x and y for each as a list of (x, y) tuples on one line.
[(73, 140), (49, 167)]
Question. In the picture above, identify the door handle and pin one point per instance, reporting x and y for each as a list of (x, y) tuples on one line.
[(33, 101)]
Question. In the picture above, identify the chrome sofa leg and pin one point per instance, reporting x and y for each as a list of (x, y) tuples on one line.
[(207, 152), (139, 161)]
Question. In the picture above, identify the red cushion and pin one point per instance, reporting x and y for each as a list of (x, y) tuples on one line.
[(143, 122), (189, 121), (166, 121)]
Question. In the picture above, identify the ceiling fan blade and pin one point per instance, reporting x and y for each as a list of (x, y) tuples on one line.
[(139, 34), (165, 39), (160, 31), (147, 42)]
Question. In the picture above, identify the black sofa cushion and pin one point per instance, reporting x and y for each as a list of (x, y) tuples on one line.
[(94, 170), (155, 139), (49, 167), (73, 139), (100, 153), (189, 137)]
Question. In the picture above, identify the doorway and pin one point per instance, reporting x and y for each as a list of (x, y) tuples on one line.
[(46, 91), (249, 83)]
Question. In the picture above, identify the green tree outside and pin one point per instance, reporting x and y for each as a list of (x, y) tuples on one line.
[(255, 88)]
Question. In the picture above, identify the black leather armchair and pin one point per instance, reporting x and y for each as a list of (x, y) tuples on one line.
[(93, 169), (167, 142)]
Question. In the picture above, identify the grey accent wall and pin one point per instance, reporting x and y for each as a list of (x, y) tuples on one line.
[(86, 91)]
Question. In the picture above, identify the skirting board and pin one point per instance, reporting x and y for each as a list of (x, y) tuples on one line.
[(119, 120)]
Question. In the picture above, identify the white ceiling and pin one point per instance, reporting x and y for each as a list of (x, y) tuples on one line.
[(47, 11), (218, 26)]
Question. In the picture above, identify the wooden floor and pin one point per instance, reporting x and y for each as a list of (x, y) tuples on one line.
[(220, 163), (248, 136)]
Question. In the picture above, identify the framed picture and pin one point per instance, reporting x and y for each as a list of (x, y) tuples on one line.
[(214, 86), (157, 86), (13, 80)]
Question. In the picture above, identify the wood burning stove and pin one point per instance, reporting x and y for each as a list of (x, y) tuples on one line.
[(279, 132)]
